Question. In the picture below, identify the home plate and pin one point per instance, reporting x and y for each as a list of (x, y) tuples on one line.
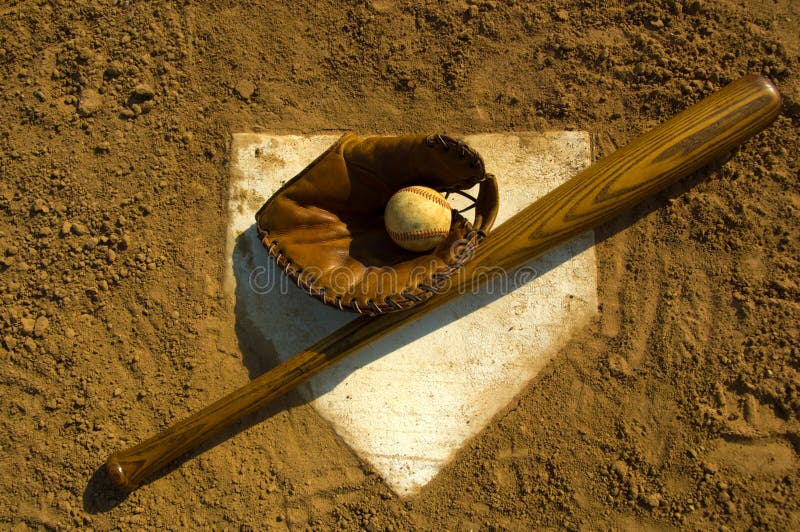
[(408, 402)]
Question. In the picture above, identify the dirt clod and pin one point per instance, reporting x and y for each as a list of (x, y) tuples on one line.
[(79, 229), (245, 89), (144, 91), (40, 326), (27, 325), (89, 103)]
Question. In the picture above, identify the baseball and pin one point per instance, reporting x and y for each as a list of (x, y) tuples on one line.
[(417, 218)]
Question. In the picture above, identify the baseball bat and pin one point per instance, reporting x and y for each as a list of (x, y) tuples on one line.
[(689, 141)]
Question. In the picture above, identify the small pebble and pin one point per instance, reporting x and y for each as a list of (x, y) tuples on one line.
[(43, 232), (245, 89), (66, 228), (41, 326), (27, 325), (39, 206), (79, 229), (620, 468), (30, 345), (113, 70), (89, 103), (143, 90), (651, 501), (750, 409)]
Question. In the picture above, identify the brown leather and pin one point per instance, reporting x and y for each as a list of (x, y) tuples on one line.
[(325, 226)]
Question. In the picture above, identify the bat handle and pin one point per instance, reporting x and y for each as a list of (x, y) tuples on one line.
[(128, 468)]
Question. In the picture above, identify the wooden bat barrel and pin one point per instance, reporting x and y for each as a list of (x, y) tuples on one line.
[(691, 140)]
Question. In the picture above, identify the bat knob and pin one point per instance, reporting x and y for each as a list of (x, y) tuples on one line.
[(117, 474)]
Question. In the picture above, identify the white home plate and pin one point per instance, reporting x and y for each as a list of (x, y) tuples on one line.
[(408, 402)]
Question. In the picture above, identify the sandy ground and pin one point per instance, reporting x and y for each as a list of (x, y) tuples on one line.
[(678, 407)]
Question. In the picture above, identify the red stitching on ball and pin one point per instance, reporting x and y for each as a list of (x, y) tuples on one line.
[(427, 195), (422, 233)]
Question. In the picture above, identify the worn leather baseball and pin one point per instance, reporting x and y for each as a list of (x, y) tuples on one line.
[(417, 218)]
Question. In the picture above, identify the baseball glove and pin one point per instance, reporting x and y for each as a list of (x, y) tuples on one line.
[(325, 228)]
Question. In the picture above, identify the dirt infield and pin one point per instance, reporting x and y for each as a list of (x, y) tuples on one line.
[(678, 407)]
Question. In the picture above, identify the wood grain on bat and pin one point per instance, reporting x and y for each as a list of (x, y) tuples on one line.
[(694, 138)]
